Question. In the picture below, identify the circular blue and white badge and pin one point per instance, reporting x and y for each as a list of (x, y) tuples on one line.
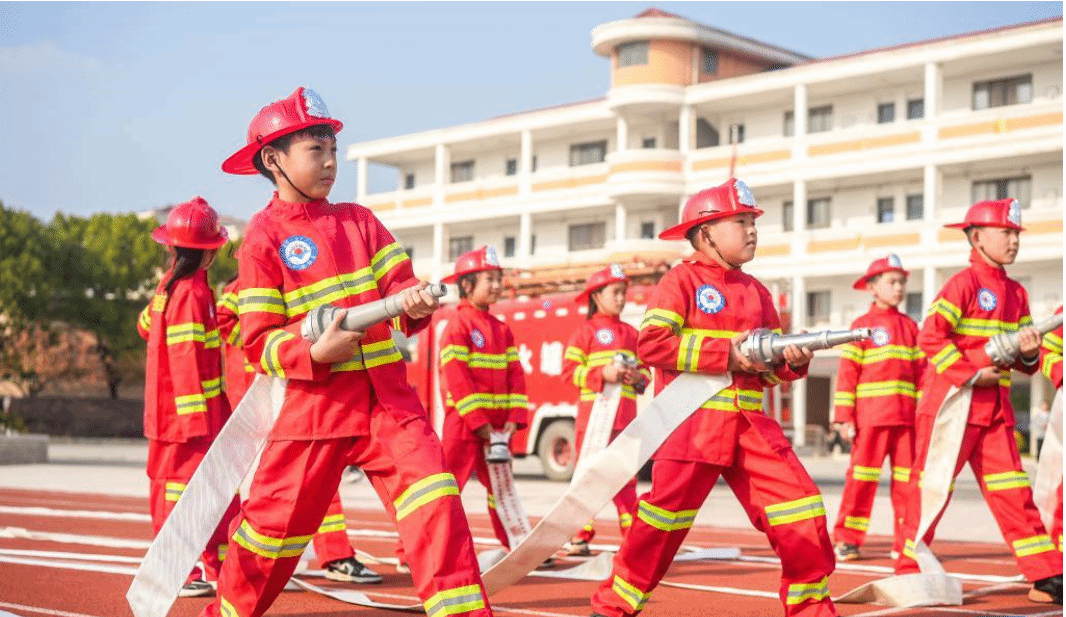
[(986, 299), (605, 336), (298, 252), (709, 299), (477, 338), (880, 337)]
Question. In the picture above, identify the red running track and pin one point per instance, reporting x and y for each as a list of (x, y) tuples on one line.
[(73, 555)]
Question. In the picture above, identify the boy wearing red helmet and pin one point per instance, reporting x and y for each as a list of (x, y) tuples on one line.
[(878, 384), (973, 306), (183, 404), (589, 364), (482, 381), (701, 312), (347, 400)]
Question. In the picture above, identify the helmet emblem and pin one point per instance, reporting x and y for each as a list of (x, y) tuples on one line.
[(894, 262), (491, 258), (1014, 213), (314, 104), (744, 195), (616, 272)]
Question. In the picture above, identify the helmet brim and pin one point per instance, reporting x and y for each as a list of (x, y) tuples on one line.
[(240, 162), (162, 236), (860, 285), (453, 278), (678, 232), (964, 226)]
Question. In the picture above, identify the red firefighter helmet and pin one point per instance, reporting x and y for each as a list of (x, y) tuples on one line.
[(996, 213), (733, 197), (891, 263), (193, 224), (478, 260), (301, 109), (601, 279)]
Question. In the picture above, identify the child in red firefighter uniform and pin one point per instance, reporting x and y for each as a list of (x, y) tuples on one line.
[(332, 547), (346, 401), (483, 384), (701, 312), (183, 404), (589, 364), (974, 305), (878, 384), (1051, 367)]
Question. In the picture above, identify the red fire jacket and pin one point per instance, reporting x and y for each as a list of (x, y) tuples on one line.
[(483, 381), (183, 386), (239, 371), (299, 256), (879, 380), (593, 347), (1051, 355), (697, 308), (976, 304)]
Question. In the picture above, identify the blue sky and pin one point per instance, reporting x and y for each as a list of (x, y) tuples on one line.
[(127, 106)]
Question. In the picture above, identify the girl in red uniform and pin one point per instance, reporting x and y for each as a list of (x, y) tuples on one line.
[(589, 363), (183, 404)]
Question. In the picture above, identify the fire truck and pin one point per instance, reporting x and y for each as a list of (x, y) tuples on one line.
[(542, 322)]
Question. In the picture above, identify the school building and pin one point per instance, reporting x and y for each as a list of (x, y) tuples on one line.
[(851, 157)]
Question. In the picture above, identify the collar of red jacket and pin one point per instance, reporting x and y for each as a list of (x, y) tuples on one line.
[(877, 310), (982, 267), (466, 304), (289, 209), (601, 318), (720, 271)]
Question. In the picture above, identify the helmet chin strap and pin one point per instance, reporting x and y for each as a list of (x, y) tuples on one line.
[(707, 237), (291, 183)]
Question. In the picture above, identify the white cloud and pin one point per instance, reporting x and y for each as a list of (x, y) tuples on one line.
[(43, 57)]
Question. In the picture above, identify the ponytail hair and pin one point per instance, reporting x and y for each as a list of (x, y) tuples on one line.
[(592, 306), (186, 262)]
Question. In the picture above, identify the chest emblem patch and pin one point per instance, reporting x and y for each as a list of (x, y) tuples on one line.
[(986, 299), (298, 252), (709, 299), (880, 337), (477, 338), (605, 336)]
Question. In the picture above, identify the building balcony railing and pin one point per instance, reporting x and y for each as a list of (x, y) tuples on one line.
[(646, 172)]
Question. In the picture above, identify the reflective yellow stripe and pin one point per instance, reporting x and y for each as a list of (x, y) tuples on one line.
[(575, 354), (260, 300), (355, 363), (891, 352), (971, 326), (795, 511), (185, 333), (223, 550), (901, 474), (665, 519), (145, 318), (946, 357), (496, 361), (624, 520), (328, 290), (844, 399), (688, 355), (266, 546), (424, 491), (885, 388), (190, 403), (517, 401), (212, 387), (455, 601), (1032, 545), (332, 522), (1052, 342), (852, 352), (857, 522), (802, 592), (946, 310), (458, 353), (270, 361), (228, 301), (226, 609), (172, 491), (1047, 365), (1006, 480), (386, 259), (631, 594), (866, 474), (380, 353), (234, 337), (484, 400), (662, 318), (512, 354), (581, 375), (212, 340)]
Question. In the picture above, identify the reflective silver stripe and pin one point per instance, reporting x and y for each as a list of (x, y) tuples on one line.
[(445, 482)]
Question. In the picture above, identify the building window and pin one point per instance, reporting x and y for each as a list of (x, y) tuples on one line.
[(647, 230), (736, 133), (886, 209), (709, 64), (463, 172), (410, 250), (409, 181), (786, 215), (648, 143), (1019, 188), (533, 164), (790, 124), (914, 306), (458, 246), (915, 207), (532, 244), (588, 153), (511, 168), (820, 119), (817, 307), (508, 246), (588, 236), (915, 109), (886, 113), (1000, 92), (818, 213), (632, 54)]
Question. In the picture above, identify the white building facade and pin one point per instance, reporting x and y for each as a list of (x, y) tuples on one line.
[(851, 157)]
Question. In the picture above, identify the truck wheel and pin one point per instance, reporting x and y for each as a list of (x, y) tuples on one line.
[(556, 450)]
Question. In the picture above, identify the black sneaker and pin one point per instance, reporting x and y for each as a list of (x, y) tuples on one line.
[(846, 552), (1047, 590), (200, 588), (351, 571), (578, 549)]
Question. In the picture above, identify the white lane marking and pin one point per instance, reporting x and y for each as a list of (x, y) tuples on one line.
[(66, 538), (55, 512), (730, 590), (854, 568), (69, 565), (41, 610), (13, 552)]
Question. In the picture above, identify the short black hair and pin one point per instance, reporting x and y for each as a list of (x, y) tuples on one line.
[(282, 143), (691, 234), (463, 280)]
